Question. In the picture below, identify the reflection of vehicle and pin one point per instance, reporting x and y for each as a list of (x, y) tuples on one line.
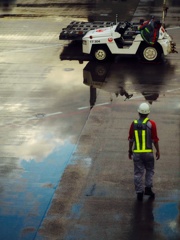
[(128, 76), (73, 51), (7, 4), (101, 43)]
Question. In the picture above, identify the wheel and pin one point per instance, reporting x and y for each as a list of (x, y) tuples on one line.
[(150, 53), (100, 70), (100, 53)]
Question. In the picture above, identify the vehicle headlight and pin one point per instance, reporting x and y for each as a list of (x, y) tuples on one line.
[(84, 42)]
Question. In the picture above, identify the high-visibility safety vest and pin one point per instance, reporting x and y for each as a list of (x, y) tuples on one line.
[(142, 137)]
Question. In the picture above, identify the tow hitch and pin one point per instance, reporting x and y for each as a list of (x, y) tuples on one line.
[(173, 47)]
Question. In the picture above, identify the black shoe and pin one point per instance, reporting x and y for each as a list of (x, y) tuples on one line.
[(149, 192), (128, 96), (140, 196)]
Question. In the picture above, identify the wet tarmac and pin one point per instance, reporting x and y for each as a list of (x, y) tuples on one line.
[(41, 121), (64, 168)]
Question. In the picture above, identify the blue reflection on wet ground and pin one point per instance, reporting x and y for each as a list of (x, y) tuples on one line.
[(167, 216), (25, 201)]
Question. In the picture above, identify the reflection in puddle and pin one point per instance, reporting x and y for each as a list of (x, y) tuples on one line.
[(24, 201), (167, 216), (128, 77)]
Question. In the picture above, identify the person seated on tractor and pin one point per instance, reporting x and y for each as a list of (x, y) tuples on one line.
[(150, 31), (121, 29)]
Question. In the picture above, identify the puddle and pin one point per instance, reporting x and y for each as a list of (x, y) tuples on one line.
[(25, 201), (166, 215)]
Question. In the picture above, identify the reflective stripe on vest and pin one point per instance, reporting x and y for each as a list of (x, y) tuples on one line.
[(141, 146)]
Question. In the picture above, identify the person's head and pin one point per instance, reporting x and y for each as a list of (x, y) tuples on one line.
[(143, 110)]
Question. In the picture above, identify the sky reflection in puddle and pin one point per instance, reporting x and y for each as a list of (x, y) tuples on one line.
[(166, 214), (25, 200)]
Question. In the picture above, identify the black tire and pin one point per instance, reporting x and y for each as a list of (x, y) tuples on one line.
[(150, 53), (100, 53), (100, 72)]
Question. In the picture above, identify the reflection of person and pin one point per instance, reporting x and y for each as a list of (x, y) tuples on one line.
[(165, 9), (123, 92), (150, 96), (142, 223), (143, 135)]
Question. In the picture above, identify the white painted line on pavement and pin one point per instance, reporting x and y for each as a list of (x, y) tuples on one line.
[(172, 28), (81, 108), (173, 90), (52, 114), (42, 116), (102, 104)]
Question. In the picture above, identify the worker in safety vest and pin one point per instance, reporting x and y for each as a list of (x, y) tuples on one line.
[(142, 137)]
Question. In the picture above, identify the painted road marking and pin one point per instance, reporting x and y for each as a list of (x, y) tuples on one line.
[(173, 90), (43, 115), (172, 28)]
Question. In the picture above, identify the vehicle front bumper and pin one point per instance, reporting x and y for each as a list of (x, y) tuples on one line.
[(168, 46)]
